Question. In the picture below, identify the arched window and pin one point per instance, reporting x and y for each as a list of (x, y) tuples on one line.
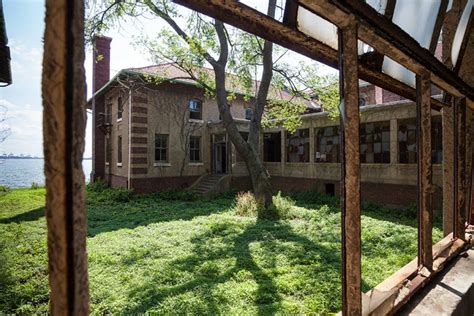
[(195, 109)]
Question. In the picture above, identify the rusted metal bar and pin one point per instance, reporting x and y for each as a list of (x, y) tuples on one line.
[(390, 295), (438, 25), (448, 169), (460, 184), (64, 122), (350, 171), (425, 186), (252, 21), (390, 40), (464, 43)]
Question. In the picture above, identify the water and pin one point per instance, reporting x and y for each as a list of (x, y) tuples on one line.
[(21, 173)]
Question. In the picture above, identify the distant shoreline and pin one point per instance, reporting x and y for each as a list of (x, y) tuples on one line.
[(11, 158)]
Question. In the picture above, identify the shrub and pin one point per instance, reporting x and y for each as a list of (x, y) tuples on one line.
[(121, 195), (35, 186), (246, 204), (177, 195), (98, 185), (283, 206), (4, 189)]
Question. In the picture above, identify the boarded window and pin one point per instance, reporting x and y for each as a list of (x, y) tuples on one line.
[(272, 147), (194, 149), (375, 142), (195, 109), (327, 144), (161, 148), (407, 151), (297, 146)]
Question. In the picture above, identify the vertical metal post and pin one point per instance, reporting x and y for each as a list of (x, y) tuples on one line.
[(64, 122), (425, 187), (448, 169), (350, 171), (460, 172)]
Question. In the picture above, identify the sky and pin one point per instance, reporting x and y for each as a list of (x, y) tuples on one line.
[(25, 26)]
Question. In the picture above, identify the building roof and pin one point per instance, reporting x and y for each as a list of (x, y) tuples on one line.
[(169, 72)]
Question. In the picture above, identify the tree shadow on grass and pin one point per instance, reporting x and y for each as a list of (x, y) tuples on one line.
[(224, 242), (29, 216), (106, 217)]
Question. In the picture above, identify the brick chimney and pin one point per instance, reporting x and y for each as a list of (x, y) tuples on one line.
[(101, 62)]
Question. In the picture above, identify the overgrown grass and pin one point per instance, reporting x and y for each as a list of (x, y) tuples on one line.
[(161, 255)]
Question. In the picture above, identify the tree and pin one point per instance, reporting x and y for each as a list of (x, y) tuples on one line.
[(236, 58)]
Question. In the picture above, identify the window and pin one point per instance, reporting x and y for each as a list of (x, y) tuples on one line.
[(248, 114), (297, 146), (375, 142), (327, 144), (194, 149), (108, 114), (407, 141), (161, 148), (119, 150), (272, 147), (195, 109), (120, 108), (107, 150)]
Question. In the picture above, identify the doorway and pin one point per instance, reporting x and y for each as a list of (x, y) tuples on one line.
[(219, 148)]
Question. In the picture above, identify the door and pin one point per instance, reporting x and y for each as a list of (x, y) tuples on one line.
[(220, 154)]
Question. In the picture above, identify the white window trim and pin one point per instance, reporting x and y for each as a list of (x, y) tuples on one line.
[(196, 164), (119, 120), (119, 164), (161, 164), (195, 121), (107, 163)]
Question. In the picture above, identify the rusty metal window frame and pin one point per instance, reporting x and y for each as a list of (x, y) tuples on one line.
[(64, 131)]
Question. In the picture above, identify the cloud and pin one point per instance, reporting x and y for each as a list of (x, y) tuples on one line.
[(25, 122)]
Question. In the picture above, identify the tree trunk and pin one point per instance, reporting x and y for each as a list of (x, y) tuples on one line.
[(261, 184)]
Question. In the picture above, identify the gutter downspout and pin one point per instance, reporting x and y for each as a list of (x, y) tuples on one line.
[(129, 185)]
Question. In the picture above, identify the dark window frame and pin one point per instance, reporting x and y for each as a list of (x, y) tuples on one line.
[(248, 114), (195, 109), (272, 155), (119, 108), (195, 151), (161, 148), (375, 142), (327, 144), (119, 149), (295, 148)]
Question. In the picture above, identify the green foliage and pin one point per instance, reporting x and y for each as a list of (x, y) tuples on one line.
[(158, 256), (178, 195), (98, 186), (98, 192), (35, 186), (4, 189)]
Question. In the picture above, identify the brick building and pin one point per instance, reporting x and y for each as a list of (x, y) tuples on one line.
[(169, 135)]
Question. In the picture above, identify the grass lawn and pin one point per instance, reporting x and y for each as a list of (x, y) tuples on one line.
[(155, 255)]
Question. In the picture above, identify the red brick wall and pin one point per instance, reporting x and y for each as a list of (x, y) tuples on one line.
[(148, 185), (369, 93), (383, 194), (101, 62), (117, 181)]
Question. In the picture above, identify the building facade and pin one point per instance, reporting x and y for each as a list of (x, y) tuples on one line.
[(168, 135)]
